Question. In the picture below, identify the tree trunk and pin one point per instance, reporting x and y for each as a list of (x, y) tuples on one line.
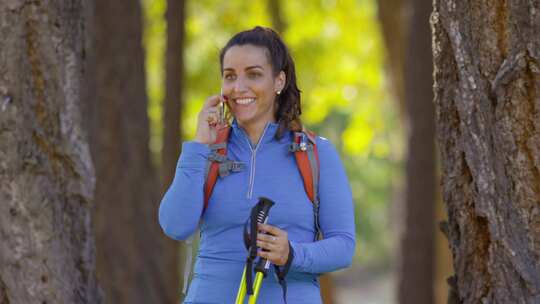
[(172, 113), (406, 31), (416, 273), (443, 256), (274, 8), (46, 173), (393, 27), (174, 75), (132, 250), (487, 96)]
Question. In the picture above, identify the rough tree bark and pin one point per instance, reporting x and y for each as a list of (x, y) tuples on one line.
[(131, 249), (46, 173), (487, 97), (443, 256)]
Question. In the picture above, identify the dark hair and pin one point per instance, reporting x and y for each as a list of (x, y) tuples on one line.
[(289, 109)]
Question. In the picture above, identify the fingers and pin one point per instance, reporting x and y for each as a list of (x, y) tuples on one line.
[(269, 255), (212, 115), (276, 257), (208, 119), (268, 242), (272, 230), (274, 242), (266, 238), (210, 110), (212, 101), (267, 246)]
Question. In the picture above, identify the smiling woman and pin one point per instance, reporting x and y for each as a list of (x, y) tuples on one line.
[(258, 155)]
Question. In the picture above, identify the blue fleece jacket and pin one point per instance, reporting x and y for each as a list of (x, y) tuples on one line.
[(270, 171)]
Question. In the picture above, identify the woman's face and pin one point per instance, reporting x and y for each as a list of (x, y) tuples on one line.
[(250, 85)]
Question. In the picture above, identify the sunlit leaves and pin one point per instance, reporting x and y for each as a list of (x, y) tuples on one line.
[(358, 136)]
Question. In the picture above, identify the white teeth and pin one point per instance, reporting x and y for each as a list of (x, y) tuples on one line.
[(245, 101)]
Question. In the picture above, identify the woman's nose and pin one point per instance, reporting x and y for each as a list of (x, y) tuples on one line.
[(240, 85)]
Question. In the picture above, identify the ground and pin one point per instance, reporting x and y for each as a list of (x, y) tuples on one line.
[(358, 285)]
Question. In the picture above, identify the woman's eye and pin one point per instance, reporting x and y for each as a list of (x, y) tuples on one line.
[(254, 75), (229, 76)]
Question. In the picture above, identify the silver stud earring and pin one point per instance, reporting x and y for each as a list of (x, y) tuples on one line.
[(278, 92)]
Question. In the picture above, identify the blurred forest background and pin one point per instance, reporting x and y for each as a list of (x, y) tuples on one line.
[(147, 68), (97, 96)]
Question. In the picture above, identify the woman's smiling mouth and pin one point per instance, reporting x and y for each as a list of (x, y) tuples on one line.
[(244, 101)]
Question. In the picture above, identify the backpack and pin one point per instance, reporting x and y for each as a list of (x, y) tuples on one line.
[(307, 159)]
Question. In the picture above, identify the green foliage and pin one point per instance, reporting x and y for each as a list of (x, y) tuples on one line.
[(339, 60)]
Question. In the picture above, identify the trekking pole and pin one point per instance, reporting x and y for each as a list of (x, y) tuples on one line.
[(261, 269), (242, 289), (259, 215)]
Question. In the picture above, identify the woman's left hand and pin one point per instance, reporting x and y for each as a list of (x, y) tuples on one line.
[(275, 243)]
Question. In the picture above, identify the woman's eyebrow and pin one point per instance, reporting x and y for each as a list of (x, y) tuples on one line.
[(246, 68), (254, 67)]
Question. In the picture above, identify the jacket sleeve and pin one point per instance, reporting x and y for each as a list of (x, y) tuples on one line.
[(182, 204), (336, 217)]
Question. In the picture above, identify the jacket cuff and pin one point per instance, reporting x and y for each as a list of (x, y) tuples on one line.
[(282, 271), (290, 259)]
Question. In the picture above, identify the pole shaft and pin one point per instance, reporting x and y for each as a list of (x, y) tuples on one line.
[(242, 289)]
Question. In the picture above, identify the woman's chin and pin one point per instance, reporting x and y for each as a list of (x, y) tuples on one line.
[(243, 118)]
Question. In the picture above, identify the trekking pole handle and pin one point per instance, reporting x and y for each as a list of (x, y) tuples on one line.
[(262, 218), (262, 215)]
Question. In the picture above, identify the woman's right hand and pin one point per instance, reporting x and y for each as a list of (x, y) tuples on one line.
[(207, 120)]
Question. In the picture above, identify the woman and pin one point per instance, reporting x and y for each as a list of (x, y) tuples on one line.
[(260, 91)]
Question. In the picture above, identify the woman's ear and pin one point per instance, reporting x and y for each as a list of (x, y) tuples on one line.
[(279, 84)]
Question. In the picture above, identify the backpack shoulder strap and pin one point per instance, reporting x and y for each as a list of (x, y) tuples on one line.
[(304, 148), (218, 163), (305, 151), (217, 156)]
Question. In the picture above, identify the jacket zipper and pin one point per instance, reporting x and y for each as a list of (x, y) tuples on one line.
[(253, 161)]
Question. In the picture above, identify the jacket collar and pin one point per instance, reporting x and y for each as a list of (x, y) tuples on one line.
[(268, 135)]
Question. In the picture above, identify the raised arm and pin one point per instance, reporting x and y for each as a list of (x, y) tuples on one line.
[(181, 206)]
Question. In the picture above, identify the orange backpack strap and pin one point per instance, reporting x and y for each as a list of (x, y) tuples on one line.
[(307, 159), (218, 163)]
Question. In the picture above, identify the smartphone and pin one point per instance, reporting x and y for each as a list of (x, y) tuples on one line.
[(223, 98)]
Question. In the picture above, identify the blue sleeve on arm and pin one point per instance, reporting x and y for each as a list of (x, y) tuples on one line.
[(181, 206), (336, 213)]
